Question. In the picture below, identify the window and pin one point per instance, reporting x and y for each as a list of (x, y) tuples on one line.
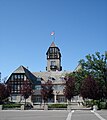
[(14, 97), (51, 50), (38, 87), (15, 87), (22, 76), (18, 87), (59, 87), (38, 79), (18, 76), (53, 63), (62, 78), (56, 56), (15, 76), (61, 99), (38, 99), (55, 87), (56, 50)]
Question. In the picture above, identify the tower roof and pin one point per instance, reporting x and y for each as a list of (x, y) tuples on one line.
[(53, 44)]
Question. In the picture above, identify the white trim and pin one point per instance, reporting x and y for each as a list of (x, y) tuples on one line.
[(70, 115), (101, 118)]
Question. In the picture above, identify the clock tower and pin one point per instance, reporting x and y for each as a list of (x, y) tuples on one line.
[(53, 58)]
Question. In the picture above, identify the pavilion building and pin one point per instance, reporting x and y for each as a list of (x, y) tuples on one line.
[(53, 72)]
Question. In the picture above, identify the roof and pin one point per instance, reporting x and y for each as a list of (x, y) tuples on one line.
[(56, 76), (20, 69), (30, 76), (53, 44)]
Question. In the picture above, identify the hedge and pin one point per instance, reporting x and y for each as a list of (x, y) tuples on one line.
[(101, 105), (11, 106), (57, 106)]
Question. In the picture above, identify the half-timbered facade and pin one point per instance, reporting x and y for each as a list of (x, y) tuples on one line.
[(34, 79), (17, 80)]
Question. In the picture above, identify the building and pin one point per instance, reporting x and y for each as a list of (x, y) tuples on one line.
[(53, 72), (53, 58), (16, 81)]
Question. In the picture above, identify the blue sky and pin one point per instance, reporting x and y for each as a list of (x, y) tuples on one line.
[(25, 25)]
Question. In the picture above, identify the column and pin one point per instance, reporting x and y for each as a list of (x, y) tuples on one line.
[(55, 98)]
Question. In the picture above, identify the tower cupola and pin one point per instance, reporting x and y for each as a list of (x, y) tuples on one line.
[(53, 58)]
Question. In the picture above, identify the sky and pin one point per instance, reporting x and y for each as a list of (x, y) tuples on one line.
[(25, 25)]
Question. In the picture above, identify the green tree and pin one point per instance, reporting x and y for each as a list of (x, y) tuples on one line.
[(47, 91), (79, 76), (4, 92), (90, 88), (26, 90), (69, 90), (96, 66)]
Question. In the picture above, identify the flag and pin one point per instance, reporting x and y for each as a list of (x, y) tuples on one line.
[(52, 33)]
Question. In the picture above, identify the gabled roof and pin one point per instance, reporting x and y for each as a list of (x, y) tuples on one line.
[(20, 69), (30, 76)]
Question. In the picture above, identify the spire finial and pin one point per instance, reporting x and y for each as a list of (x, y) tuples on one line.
[(52, 44)]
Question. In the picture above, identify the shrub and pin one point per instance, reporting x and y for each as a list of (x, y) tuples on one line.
[(11, 106), (100, 105), (103, 105), (57, 106)]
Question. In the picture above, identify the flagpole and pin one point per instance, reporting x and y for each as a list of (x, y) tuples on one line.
[(53, 36)]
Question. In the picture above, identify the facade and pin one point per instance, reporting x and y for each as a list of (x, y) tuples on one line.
[(16, 81), (57, 78), (53, 72)]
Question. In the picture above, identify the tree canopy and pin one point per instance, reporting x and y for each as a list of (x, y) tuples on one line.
[(90, 88), (96, 66), (4, 92), (90, 80), (69, 90), (47, 91), (26, 90)]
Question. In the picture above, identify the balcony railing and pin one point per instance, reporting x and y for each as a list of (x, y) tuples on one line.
[(53, 67)]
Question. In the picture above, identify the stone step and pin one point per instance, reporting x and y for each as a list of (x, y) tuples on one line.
[(77, 106)]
